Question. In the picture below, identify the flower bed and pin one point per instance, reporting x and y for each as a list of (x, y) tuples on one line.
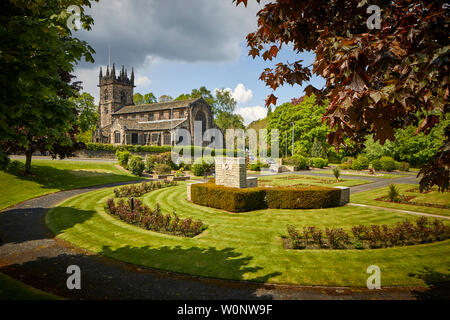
[(364, 237), (407, 200), (142, 216), (137, 190)]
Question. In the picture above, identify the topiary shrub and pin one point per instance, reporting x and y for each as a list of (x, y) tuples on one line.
[(123, 157), (198, 169), (136, 165), (299, 162), (402, 166), (161, 168), (302, 198), (241, 200), (318, 162), (360, 163), (387, 163), (229, 199), (376, 164), (347, 160)]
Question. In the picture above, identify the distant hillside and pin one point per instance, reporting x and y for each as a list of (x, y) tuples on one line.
[(258, 124)]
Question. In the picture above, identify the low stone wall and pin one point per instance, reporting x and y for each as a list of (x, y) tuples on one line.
[(345, 195)]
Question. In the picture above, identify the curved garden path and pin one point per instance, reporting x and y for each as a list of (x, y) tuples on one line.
[(31, 254)]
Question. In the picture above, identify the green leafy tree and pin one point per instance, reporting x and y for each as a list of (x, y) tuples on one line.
[(87, 116), (377, 79), (150, 98), (138, 99), (184, 96), (38, 52), (165, 98), (308, 126)]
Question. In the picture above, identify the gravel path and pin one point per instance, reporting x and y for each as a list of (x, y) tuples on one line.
[(30, 253)]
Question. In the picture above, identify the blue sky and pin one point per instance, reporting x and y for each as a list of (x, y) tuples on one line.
[(174, 49)]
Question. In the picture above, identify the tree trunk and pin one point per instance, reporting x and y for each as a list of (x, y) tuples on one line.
[(28, 155)]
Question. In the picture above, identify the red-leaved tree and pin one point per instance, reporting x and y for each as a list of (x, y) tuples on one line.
[(377, 80)]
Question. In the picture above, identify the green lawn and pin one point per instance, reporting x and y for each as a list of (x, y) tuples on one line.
[(368, 197), (362, 174), (247, 246), (11, 289), (55, 175), (294, 179)]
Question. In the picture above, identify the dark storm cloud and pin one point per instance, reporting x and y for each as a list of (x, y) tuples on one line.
[(179, 30)]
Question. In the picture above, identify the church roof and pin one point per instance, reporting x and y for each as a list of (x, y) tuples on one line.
[(155, 106), (150, 125)]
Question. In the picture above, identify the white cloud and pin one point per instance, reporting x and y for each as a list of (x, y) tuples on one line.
[(252, 113), (89, 78), (240, 93), (176, 30), (142, 81)]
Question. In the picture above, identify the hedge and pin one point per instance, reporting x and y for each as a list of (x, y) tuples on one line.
[(302, 198), (134, 148), (240, 200), (229, 199), (156, 149)]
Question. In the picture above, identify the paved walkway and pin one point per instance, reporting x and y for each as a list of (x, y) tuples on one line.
[(30, 253)]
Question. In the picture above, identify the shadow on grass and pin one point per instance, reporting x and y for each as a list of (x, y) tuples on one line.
[(49, 177), (104, 278), (208, 262), (438, 284), (27, 224)]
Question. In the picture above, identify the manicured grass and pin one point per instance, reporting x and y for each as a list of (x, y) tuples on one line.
[(362, 174), (55, 175), (247, 246), (368, 197), (291, 179), (11, 289)]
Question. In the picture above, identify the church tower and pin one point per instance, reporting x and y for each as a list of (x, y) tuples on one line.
[(115, 93)]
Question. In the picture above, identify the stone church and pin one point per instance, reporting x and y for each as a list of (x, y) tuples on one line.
[(123, 122)]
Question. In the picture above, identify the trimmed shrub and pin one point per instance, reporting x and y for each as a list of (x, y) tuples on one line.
[(201, 166), (161, 168), (318, 162), (123, 157), (299, 162), (360, 163), (137, 190), (302, 198), (376, 165), (402, 166), (345, 166), (387, 163), (229, 199), (136, 165), (239, 200), (347, 160)]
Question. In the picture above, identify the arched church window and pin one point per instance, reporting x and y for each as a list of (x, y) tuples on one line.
[(105, 95)]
